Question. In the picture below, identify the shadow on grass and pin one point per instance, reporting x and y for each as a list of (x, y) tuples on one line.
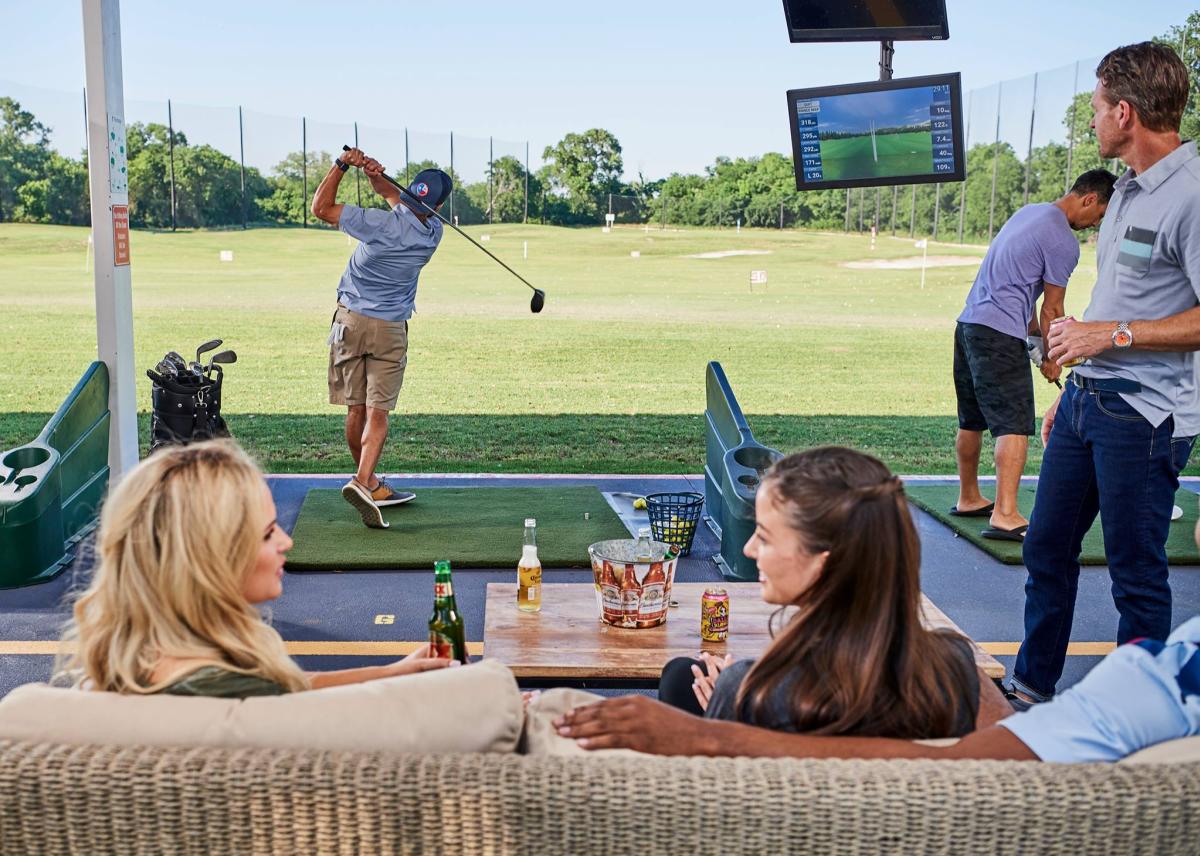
[(564, 443)]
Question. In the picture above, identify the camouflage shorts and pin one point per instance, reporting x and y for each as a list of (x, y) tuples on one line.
[(993, 380)]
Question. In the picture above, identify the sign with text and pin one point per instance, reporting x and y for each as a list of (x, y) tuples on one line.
[(758, 277), (120, 220)]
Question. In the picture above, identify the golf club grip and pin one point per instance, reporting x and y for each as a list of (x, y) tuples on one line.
[(420, 202)]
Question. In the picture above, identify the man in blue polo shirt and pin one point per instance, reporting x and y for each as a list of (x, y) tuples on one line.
[(1035, 252), (1111, 447), (368, 339)]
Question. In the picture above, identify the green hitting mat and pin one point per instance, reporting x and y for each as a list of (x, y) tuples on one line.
[(939, 499), (473, 527)]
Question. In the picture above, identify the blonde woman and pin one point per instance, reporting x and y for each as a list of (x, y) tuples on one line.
[(188, 548)]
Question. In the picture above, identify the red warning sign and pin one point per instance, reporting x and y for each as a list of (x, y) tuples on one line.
[(120, 218)]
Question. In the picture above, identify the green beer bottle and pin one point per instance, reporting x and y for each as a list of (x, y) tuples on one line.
[(446, 635)]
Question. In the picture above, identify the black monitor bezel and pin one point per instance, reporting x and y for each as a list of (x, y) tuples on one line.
[(933, 32), (953, 79)]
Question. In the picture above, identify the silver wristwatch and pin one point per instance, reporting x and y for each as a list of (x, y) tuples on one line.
[(1122, 337)]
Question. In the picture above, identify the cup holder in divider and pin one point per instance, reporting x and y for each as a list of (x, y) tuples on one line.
[(26, 457)]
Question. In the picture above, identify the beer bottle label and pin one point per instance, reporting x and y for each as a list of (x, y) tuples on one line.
[(441, 645), (442, 589), (652, 604)]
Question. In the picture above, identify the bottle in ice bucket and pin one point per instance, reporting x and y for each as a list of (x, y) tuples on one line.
[(446, 635), (643, 553), (1069, 363), (529, 572)]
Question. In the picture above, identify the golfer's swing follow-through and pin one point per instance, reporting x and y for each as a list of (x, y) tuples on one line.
[(368, 337)]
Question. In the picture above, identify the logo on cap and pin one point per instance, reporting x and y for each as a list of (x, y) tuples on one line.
[(421, 188)]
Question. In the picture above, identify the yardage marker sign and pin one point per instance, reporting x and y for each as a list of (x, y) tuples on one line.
[(120, 220)]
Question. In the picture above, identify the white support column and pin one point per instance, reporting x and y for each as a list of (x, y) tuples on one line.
[(108, 183)]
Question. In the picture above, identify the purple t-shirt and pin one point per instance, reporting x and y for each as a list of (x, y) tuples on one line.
[(1035, 246)]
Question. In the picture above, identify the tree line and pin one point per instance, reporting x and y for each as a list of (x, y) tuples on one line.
[(580, 182)]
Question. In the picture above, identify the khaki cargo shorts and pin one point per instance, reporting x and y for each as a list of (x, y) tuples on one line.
[(367, 358)]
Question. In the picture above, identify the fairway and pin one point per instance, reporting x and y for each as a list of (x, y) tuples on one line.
[(899, 154), (609, 378)]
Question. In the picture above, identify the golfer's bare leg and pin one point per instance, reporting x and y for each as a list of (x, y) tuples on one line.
[(356, 421), (1011, 450), (966, 447), (372, 445)]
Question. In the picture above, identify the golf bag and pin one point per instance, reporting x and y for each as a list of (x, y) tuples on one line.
[(185, 403)]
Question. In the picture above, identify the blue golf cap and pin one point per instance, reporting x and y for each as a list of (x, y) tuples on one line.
[(431, 186)]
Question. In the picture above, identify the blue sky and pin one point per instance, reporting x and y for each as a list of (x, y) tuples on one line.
[(678, 82), (854, 113)]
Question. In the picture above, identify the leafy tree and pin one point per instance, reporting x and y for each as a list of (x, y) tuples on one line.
[(24, 151), (583, 168)]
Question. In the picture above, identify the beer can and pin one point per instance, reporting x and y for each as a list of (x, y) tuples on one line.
[(714, 615), (1069, 363)]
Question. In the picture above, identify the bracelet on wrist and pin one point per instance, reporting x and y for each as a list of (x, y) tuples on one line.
[(341, 165)]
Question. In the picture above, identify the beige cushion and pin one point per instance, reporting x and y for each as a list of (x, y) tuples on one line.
[(1179, 751), (542, 739), (474, 708)]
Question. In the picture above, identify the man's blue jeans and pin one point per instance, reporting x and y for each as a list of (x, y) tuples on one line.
[(1102, 456)]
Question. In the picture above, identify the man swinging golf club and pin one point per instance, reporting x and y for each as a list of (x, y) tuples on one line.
[(368, 339)]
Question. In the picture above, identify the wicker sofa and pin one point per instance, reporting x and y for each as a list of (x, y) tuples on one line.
[(452, 762), (60, 798)]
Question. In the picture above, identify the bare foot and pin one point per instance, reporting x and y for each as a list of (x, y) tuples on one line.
[(1006, 522)]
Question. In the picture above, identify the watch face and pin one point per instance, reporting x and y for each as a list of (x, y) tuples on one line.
[(1122, 339)]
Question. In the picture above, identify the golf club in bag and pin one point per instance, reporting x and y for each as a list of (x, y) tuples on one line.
[(539, 296), (186, 398)]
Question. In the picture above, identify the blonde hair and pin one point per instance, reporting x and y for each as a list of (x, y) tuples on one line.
[(177, 538)]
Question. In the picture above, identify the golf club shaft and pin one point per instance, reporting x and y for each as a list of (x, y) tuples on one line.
[(407, 193)]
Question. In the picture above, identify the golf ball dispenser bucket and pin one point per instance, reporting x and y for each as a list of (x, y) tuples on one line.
[(673, 518), (632, 593)]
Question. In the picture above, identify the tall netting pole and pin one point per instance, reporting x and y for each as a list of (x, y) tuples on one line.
[(491, 173), (304, 169), (1071, 133), (357, 172), (452, 220), (406, 179), (962, 195), (525, 217), (847, 210), (876, 224), (912, 214), (1029, 150), (242, 161), (995, 163), (171, 159), (862, 204), (937, 207), (895, 196)]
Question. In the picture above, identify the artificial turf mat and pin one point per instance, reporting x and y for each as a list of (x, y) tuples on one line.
[(939, 499), (473, 527)]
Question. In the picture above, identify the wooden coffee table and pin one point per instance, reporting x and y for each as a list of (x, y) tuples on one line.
[(567, 642)]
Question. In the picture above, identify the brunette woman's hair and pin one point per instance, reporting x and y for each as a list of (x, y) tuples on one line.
[(856, 657)]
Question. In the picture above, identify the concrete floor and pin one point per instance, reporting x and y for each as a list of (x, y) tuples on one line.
[(982, 595)]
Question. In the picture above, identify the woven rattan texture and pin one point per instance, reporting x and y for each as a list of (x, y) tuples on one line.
[(57, 799)]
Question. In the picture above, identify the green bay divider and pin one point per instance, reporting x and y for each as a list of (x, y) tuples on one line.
[(733, 466), (51, 489)]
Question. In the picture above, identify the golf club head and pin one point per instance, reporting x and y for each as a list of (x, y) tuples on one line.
[(210, 345), (538, 301), (179, 361), (226, 357)]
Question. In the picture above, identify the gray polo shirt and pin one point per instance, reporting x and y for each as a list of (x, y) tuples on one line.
[(1148, 267), (380, 279)]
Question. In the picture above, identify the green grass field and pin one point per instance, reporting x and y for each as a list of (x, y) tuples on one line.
[(899, 154), (609, 378)]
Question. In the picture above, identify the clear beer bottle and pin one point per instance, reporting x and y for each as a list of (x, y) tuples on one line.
[(447, 638), (529, 571)]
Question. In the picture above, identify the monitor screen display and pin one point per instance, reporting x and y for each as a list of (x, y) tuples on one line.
[(885, 132), (865, 20)]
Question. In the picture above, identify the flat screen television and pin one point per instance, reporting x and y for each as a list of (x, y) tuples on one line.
[(906, 131), (865, 20)]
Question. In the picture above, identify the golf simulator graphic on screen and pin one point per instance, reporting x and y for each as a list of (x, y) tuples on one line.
[(885, 132)]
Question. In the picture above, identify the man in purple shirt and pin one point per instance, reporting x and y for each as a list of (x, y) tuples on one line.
[(1034, 254)]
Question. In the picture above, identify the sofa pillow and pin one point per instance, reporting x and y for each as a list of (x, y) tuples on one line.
[(541, 738), (1182, 751), (474, 708)]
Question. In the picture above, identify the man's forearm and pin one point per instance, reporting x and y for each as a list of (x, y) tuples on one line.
[(737, 739), (1179, 332), (384, 188), (326, 194)]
